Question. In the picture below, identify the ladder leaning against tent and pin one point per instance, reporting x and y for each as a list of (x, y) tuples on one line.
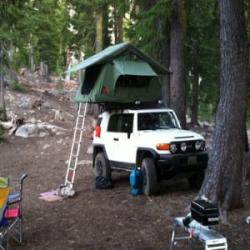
[(66, 189)]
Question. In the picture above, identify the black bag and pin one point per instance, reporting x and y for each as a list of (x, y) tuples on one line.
[(205, 212), (103, 182)]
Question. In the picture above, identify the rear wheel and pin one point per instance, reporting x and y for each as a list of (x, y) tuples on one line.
[(149, 176), (102, 167)]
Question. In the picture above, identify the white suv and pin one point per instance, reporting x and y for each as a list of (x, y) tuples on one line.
[(151, 139)]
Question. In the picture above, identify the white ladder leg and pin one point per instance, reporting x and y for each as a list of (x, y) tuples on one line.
[(67, 188)]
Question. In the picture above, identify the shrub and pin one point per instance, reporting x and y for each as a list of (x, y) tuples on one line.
[(15, 85), (1, 133)]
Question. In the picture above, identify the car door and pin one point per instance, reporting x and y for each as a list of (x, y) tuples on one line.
[(126, 145), (111, 137)]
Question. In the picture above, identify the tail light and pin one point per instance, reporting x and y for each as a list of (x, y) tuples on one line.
[(98, 131)]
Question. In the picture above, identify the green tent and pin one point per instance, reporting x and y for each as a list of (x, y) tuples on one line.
[(119, 74)]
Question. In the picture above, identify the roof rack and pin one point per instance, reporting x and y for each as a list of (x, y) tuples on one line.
[(135, 105)]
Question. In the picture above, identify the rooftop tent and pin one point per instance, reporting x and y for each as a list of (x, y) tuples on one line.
[(120, 74)]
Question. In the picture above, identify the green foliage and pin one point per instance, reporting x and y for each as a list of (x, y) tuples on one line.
[(1, 132), (203, 52), (15, 85), (3, 115), (144, 28)]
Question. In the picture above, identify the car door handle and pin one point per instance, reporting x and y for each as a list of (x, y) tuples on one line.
[(115, 139)]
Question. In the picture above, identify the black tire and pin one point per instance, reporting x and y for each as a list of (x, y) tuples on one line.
[(149, 177), (195, 181), (102, 167)]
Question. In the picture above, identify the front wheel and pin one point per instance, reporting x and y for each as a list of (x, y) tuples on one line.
[(102, 167), (149, 176)]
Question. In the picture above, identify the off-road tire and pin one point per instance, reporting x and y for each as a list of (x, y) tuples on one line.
[(195, 181), (149, 186), (102, 166)]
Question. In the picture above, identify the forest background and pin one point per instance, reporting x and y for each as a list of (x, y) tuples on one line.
[(54, 31)]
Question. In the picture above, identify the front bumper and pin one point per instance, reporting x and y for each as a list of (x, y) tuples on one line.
[(168, 165)]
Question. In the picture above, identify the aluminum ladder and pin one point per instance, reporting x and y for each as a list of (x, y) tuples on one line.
[(66, 190)]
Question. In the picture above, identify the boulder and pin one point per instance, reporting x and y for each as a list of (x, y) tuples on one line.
[(38, 130)]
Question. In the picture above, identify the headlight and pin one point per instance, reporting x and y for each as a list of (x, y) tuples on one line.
[(183, 146), (173, 148), (200, 145)]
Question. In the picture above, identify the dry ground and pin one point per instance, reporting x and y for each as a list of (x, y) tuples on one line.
[(94, 219)]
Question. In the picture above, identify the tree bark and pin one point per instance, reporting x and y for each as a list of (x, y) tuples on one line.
[(164, 56), (118, 25), (223, 179), (178, 28), (3, 115), (99, 31), (194, 93)]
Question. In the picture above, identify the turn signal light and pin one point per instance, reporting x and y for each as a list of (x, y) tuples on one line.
[(162, 146)]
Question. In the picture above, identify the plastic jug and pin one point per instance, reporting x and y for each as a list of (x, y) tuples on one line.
[(136, 181)]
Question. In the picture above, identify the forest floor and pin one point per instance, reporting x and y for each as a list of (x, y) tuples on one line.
[(93, 219)]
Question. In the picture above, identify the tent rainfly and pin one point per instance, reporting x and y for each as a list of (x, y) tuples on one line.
[(119, 74)]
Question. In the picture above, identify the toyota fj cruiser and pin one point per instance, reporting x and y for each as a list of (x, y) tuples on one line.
[(151, 139)]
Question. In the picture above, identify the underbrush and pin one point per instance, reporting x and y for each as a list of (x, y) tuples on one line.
[(1, 132), (17, 86)]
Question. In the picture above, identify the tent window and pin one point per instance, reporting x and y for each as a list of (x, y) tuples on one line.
[(130, 81), (90, 78)]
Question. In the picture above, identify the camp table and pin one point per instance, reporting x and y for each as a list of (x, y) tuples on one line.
[(211, 239)]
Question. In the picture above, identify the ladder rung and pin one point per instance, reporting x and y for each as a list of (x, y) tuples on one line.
[(78, 142), (82, 116), (74, 155), (81, 129)]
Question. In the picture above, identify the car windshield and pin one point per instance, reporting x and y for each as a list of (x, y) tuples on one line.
[(156, 120)]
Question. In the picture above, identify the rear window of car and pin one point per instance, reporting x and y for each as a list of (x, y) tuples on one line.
[(121, 123)]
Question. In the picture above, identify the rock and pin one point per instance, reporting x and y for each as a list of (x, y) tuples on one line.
[(38, 130), (32, 120), (207, 124), (200, 124), (27, 130), (46, 146), (90, 150), (59, 141), (25, 102)]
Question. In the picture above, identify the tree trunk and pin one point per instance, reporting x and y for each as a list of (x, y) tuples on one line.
[(194, 93), (3, 115), (223, 179), (99, 31), (178, 28), (118, 26), (164, 56)]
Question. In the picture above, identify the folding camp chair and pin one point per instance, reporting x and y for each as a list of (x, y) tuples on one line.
[(12, 220)]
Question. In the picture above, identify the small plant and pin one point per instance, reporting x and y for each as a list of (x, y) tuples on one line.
[(1, 132), (15, 85), (3, 115)]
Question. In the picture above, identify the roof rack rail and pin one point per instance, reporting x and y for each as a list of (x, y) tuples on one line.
[(134, 105)]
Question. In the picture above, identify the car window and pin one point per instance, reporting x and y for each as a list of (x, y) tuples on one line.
[(121, 123), (127, 123), (156, 120), (115, 123)]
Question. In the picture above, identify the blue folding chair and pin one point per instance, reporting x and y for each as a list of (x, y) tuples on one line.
[(11, 224)]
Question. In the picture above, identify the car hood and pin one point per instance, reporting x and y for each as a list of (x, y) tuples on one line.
[(169, 135)]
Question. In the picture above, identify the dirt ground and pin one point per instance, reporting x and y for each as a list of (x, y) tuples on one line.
[(93, 219)]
